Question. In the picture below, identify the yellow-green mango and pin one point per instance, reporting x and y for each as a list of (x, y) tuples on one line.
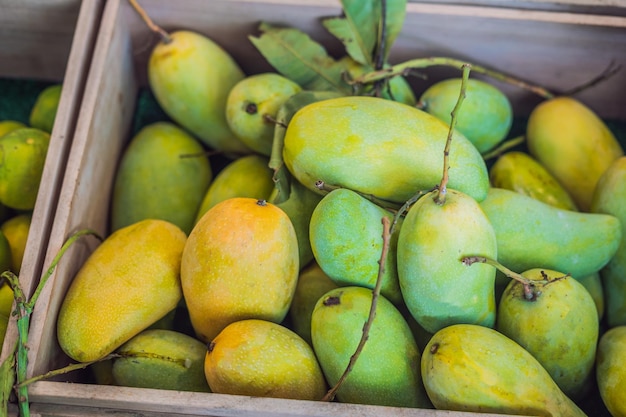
[(533, 234), (7, 126), (378, 147), (485, 117), (44, 111), (158, 178), (609, 198), (263, 359), (246, 176), (6, 304), (161, 359), (387, 371), (6, 258), (467, 367), (346, 234), (191, 76), (438, 289), (544, 326), (129, 282), (240, 262), (611, 370), (593, 284), (16, 230), (519, 171), (573, 143), (22, 157)]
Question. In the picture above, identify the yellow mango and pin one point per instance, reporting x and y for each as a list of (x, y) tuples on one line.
[(240, 262), (611, 370), (6, 304), (16, 231), (7, 126), (44, 111), (128, 283)]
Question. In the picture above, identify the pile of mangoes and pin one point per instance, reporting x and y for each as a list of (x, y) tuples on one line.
[(494, 286)]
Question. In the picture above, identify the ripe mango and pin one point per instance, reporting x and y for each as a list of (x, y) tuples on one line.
[(533, 234), (16, 230), (593, 284), (191, 76), (573, 143), (543, 326), (263, 359), (609, 198), (387, 371), (156, 178), (346, 234), (44, 111), (378, 147), (129, 282), (240, 261), (6, 258), (486, 116), (437, 288), (161, 359), (467, 367), (611, 370), (6, 305)]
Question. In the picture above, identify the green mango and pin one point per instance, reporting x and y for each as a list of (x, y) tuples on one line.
[(191, 77), (593, 284), (520, 172), (161, 359), (533, 234), (609, 198), (611, 370), (386, 372), (378, 147), (44, 111), (467, 367), (6, 305), (438, 289), (7, 126), (156, 180), (486, 116), (543, 326), (573, 143), (346, 236)]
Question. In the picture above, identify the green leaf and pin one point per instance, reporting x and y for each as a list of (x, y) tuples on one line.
[(296, 56), (360, 48), (396, 13)]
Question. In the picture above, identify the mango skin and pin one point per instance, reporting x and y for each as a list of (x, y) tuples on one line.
[(16, 230), (378, 147), (161, 359), (129, 282), (44, 111), (240, 262), (7, 126), (533, 234), (154, 181), (191, 77), (346, 238), (387, 371), (467, 367), (6, 306), (485, 117), (438, 289), (593, 284), (611, 370), (573, 143), (520, 172), (264, 359), (609, 198), (544, 326)]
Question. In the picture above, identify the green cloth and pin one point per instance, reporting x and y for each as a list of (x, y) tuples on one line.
[(17, 98)]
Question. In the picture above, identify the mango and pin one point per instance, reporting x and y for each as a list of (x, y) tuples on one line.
[(609, 198), (163, 174), (191, 77), (7, 126), (437, 288), (520, 172), (264, 359), (6, 258), (129, 282), (22, 157), (346, 234), (543, 326), (486, 116), (533, 234), (593, 284), (378, 147), (387, 370), (467, 367), (246, 176), (252, 105), (16, 230), (573, 143), (240, 262), (161, 359), (611, 370), (6, 305), (44, 111)]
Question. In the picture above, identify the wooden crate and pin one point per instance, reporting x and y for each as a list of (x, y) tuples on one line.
[(555, 49), (49, 41)]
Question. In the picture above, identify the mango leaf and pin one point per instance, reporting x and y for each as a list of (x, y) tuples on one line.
[(296, 56)]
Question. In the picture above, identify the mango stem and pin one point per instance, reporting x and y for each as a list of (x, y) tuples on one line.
[(165, 37), (503, 147)]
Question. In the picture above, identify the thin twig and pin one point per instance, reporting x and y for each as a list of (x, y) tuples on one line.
[(503, 147), (324, 186), (608, 72), (165, 37)]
